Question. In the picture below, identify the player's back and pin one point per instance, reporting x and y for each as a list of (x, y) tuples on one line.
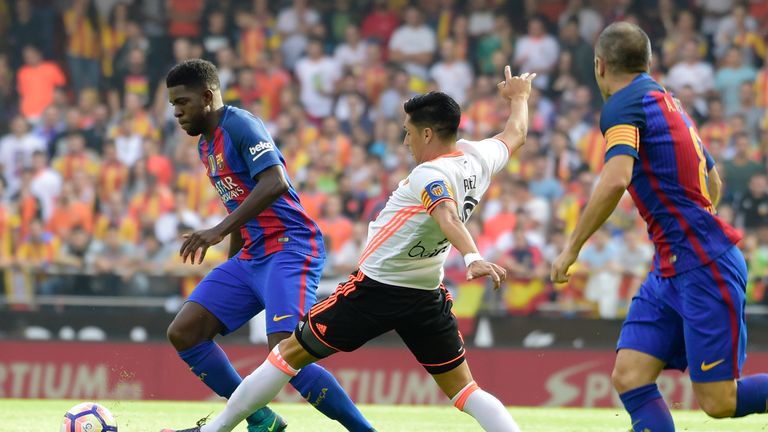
[(405, 245), (670, 175), (241, 149)]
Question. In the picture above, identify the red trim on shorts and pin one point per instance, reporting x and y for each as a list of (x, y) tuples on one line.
[(303, 285), (734, 320), (448, 362)]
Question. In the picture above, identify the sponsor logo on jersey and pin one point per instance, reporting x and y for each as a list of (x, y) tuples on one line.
[(260, 149)]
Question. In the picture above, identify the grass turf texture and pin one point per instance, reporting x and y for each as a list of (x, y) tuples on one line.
[(20, 415)]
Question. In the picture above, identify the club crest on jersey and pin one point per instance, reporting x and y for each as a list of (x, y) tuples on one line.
[(215, 164), (437, 190)]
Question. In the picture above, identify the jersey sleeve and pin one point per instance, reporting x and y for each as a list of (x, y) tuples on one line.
[(255, 145), (493, 151), (621, 121), (431, 186)]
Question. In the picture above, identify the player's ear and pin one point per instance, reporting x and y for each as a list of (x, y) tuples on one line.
[(207, 97), (599, 66), (427, 134)]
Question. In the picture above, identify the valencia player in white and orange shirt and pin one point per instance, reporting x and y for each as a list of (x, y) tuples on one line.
[(398, 285)]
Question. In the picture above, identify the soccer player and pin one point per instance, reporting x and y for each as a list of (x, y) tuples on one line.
[(689, 312), (398, 284), (276, 250)]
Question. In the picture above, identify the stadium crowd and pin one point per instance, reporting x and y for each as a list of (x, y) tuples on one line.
[(98, 182)]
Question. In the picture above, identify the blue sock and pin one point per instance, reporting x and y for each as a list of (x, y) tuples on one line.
[(751, 395), (209, 363), (323, 392), (647, 409)]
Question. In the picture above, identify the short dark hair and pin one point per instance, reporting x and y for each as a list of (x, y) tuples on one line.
[(436, 110), (624, 47), (196, 73)]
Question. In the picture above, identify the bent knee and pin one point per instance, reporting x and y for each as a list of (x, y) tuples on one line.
[(183, 337), (625, 379)]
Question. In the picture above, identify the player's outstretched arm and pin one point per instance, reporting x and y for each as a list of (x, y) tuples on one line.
[(446, 215), (515, 90), (270, 185), (614, 180)]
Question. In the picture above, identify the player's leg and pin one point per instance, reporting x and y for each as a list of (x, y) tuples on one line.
[(329, 327), (221, 303), (289, 292), (432, 334), (716, 339), (651, 339)]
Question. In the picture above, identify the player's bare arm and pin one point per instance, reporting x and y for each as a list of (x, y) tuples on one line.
[(714, 185), (614, 180), (271, 184), (515, 90), (446, 215), (236, 243)]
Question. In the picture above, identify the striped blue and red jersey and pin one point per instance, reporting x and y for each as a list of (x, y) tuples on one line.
[(669, 178), (241, 149)]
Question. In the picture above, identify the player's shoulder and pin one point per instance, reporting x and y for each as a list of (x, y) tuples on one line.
[(626, 105), (239, 121)]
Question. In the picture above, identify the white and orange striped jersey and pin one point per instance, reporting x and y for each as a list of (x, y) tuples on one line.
[(405, 245)]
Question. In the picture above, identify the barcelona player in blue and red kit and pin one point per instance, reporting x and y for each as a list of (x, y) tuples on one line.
[(689, 313), (276, 250)]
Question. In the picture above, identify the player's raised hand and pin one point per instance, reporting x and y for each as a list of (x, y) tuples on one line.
[(202, 240), (515, 86), (561, 264), (483, 268)]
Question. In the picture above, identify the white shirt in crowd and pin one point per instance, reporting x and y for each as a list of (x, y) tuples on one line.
[(414, 40), (317, 79), (454, 79)]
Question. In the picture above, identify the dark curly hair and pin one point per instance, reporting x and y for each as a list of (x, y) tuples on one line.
[(196, 73), (435, 110)]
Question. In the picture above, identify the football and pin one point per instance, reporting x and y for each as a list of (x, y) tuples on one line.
[(89, 417)]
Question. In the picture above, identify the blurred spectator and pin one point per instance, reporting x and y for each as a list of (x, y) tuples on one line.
[(572, 42), (380, 22), (36, 81), (730, 77), (499, 42), (589, 21), (337, 229), (634, 259), (113, 174), (76, 158), (522, 260), (683, 31), (453, 76), (691, 71), (38, 249), (184, 17), (752, 208), (600, 259), (739, 30), (317, 74), (481, 19), (113, 261), (81, 24), (44, 183), (352, 52), (536, 52), (293, 24), (16, 150), (413, 44), (215, 37), (740, 169)]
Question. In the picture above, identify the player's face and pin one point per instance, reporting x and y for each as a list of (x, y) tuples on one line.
[(190, 107), (413, 139)]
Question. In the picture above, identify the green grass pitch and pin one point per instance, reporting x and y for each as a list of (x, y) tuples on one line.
[(137, 416)]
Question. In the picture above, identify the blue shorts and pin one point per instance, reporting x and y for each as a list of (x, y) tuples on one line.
[(694, 319), (283, 283)]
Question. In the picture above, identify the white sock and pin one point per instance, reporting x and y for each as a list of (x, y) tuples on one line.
[(485, 408), (256, 391)]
